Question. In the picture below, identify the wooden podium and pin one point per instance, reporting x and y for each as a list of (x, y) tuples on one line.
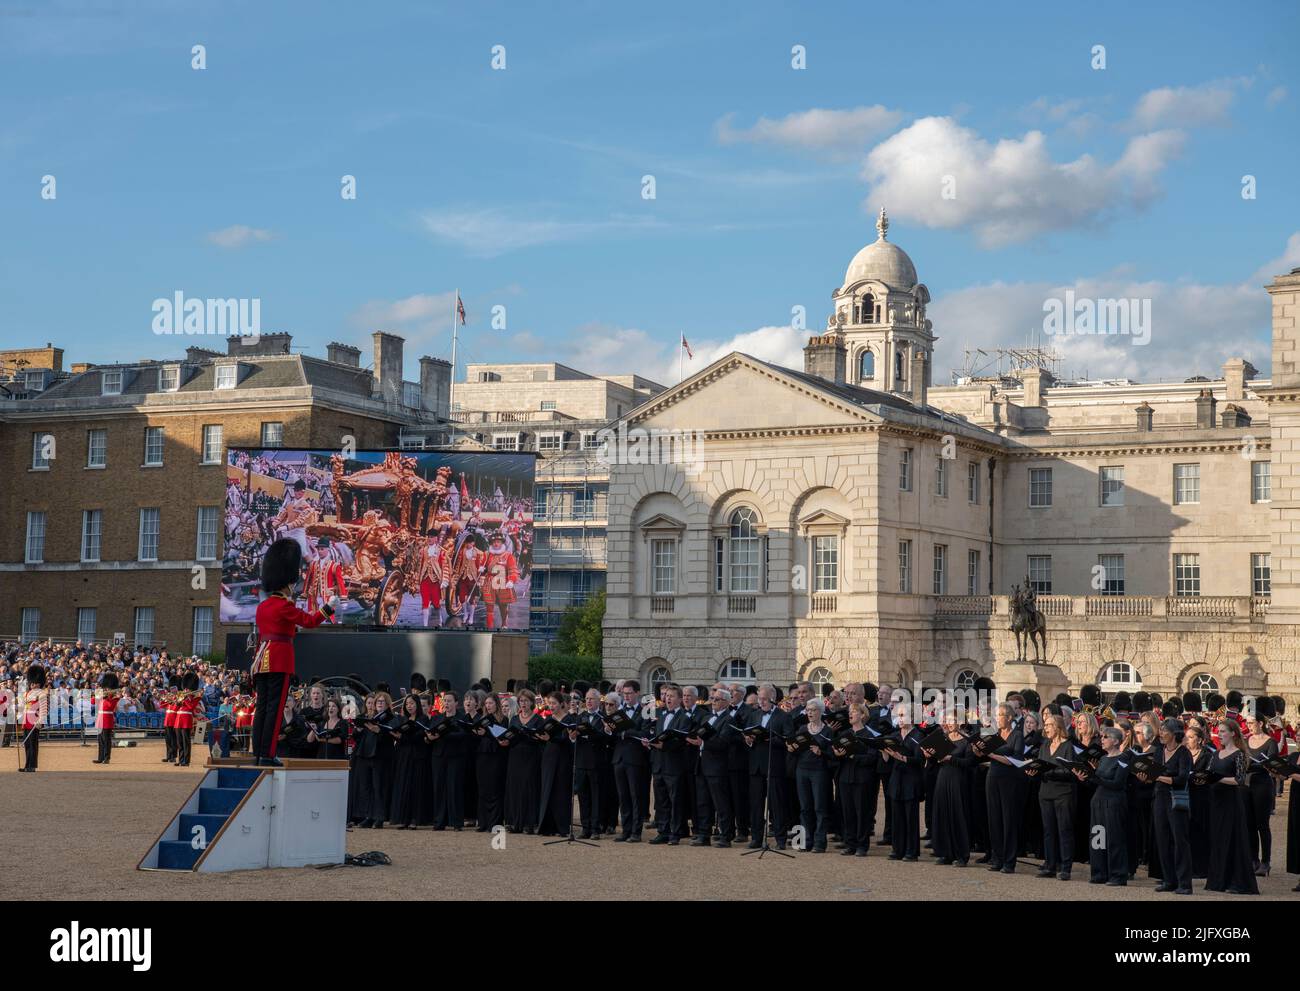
[(241, 818)]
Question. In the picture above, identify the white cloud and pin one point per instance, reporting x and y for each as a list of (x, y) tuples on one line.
[(1011, 190), (239, 236), (1187, 106), (491, 232), (1275, 96), (1289, 259), (815, 129), (423, 319)]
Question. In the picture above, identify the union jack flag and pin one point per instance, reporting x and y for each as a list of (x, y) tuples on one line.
[(460, 310)]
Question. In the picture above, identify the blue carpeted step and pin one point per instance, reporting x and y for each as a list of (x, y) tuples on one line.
[(237, 777), (210, 824), (220, 801), (177, 855)]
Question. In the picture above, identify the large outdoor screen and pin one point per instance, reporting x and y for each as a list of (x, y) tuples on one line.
[(435, 539)]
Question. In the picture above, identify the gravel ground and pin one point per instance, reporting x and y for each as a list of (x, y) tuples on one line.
[(81, 829)]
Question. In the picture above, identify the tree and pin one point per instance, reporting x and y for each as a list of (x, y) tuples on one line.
[(580, 630)]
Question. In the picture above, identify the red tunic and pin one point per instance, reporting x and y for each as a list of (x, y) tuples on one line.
[(169, 717), (185, 711), (278, 620), (106, 717)]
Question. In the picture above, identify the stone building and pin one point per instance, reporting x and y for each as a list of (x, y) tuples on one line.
[(115, 478), (851, 520)]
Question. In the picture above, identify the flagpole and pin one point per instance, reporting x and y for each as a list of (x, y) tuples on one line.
[(681, 351), (451, 388)]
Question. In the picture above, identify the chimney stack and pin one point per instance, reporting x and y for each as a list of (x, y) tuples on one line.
[(1205, 404), (1235, 416), (1145, 416), (435, 386), (343, 354), (919, 383), (826, 357), (1035, 380), (388, 366)]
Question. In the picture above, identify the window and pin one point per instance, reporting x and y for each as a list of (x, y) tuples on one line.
[(212, 444), (227, 375), (965, 680), (148, 549), (1203, 685), (1040, 487), (867, 309), (202, 644), (143, 626), (940, 569), (1187, 484), (1261, 481), (169, 378), (505, 442), (550, 442), (31, 628), (548, 404), (826, 564), (905, 470), (867, 366), (86, 619), (663, 556), (905, 566), (541, 497), (584, 505), (1120, 675), (272, 434), (1187, 574), (42, 451), (743, 551), (206, 549), (537, 590), (719, 566), (34, 381), (972, 572), (1111, 573), (96, 448), (1112, 486), (736, 670), (818, 677), (35, 550), (590, 440), (110, 383), (973, 482), (91, 523), (941, 477), (1261, 577), (659, 675), (1040, 573), (153, 446)]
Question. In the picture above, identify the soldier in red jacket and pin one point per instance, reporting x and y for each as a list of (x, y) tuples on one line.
[(35, 713), (278, 619), (106, 716), (187, 706)]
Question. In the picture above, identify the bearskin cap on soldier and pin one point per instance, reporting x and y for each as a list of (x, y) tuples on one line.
[(1214, 702), (1169, 710), (1091, 695), (1233, 699), (1062, 699), (871, 693), (1264, 707), (984, 685), (36, 676), (108, 680), (1191, 702), (281, 566), (1157, 701), (190, 683), (1123, 702), (418, 682), (1141, 701), (1279, 703)]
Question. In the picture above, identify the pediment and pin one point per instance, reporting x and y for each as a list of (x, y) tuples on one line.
[(824, 518), (661, 522)]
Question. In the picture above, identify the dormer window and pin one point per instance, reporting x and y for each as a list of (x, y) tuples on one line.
[(866, 366), (169, 378), (34, 381), (227, 376), (111, 383)]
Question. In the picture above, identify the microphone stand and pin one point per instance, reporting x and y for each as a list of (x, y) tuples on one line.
[(767, 797), (573, 790)]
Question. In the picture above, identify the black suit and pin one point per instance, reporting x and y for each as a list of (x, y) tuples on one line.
[(631, 771), (767, 782), (905, 791), (713, 801), (670, 763), (858, 782), (738, 769), (591, 757)]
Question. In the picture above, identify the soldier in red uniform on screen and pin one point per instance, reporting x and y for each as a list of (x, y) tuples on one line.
[(324, 578), (501, 571), (278, 619)]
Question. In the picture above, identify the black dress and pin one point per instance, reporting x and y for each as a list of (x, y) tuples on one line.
[(490, 761), (1083, 813), (332, 744), (1141, 835), (1230, 868), (1108, 818), (1005, 792), (949, 825), (1031, 820), (1171, 825), (1261, 795), (524, 776), (411, 804), (555, 815), (1200, 825)]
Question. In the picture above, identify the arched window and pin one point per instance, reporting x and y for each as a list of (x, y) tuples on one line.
[(866, 365), (818, 677), (736, 670), (900, 368), (868, 308), (965, 679), (1203, 685), (743, 551), (1120, 675), (660, 674)]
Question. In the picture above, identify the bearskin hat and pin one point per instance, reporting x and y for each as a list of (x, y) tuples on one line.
[(1279, 703), (984, 685), (1169, 710), (1032, 701), (282, 565), (418, 682), (1091, 695), (36, 676), (1214, 702), (108, 680), (1233, 699), (1123, 702), (190, 682), (174, 681), (1264, 707), (1191, 702), (871, 693), (1062, 699), (1141, 701), (580, 688)]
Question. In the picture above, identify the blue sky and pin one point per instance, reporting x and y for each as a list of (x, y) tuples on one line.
[(523, 186)]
